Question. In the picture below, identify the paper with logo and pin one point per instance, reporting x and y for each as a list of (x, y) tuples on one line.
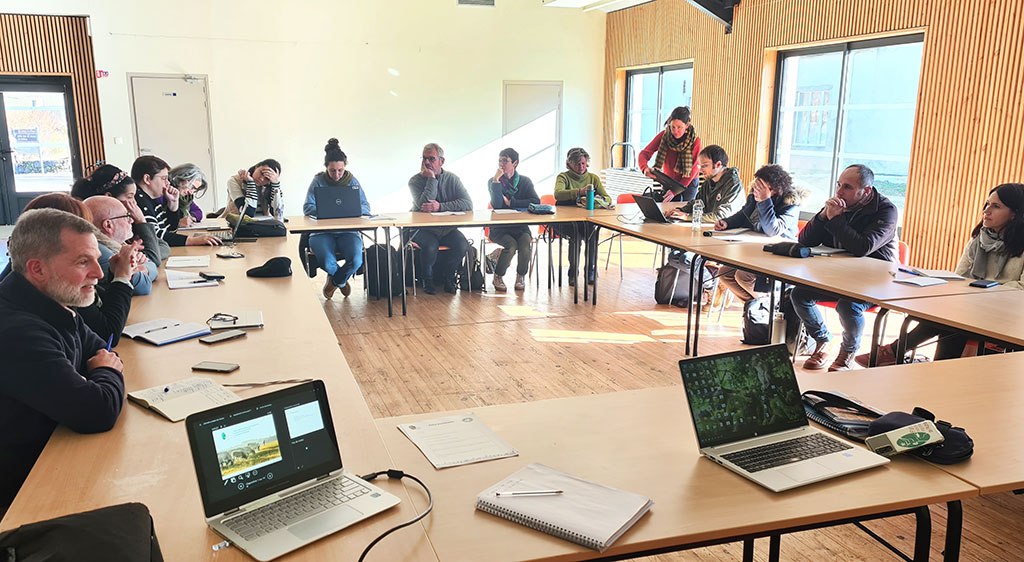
[(456, 440)]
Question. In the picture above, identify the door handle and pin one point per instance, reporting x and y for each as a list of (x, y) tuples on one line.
[(145, 151)]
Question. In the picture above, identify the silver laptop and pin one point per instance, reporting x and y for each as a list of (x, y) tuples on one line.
[(270, 472), (749, 418), (651, 210), (337, 202)]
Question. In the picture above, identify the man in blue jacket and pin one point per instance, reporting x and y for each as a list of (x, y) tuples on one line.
[(861, 221), (55, 370)]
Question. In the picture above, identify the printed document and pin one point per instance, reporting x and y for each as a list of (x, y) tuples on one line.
[(456, 440)]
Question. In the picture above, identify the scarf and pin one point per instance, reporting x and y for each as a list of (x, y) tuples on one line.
[(510, 186), (989, 241), (683, 145), (346, 178)]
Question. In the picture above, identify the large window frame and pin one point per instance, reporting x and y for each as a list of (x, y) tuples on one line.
[(846, 48), (661, 110)]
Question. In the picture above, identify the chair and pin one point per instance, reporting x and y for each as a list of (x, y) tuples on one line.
[(547, 233), (412, 246), (622, 198), (310, 265), (483, 251)]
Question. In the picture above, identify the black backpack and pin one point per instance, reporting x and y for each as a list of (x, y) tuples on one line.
[(756, 316), (476, 275), (676, 273), (377, 279), (119, 532)]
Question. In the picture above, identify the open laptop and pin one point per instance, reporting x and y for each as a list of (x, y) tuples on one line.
[(334, 202), (231, 237), (276, 457), (652, 210), (749, 418)]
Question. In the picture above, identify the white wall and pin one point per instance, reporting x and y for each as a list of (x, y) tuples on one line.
[(286, 76)]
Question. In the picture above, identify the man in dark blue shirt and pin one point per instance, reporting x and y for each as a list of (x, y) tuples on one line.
[(54, 369)]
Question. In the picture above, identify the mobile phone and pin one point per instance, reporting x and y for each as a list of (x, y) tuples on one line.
[(214, 367), (229, 255), (211, 276), (223, 336), (983, 283)]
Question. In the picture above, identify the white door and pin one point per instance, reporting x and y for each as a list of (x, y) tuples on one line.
[(532, 125), (172, 120)]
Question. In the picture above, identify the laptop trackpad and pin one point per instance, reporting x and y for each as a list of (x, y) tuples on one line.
[(804, 471), (326, 522)]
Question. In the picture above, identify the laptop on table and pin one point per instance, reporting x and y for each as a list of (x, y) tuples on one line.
[(336, 202), (231, 237), (652, 210), (748, 417), (270, 472)]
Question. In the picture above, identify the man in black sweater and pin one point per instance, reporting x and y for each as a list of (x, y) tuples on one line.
[(861, 221), (55, 370)]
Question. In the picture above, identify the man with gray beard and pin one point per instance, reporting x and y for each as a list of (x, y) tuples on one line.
[(55, 370)]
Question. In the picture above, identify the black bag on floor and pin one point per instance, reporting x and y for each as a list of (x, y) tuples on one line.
[(677, 267), (756, 316), (119, 532), (378, 282), (476, 275)]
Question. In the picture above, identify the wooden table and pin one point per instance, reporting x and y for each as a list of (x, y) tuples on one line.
[(146, 458), (641, 441), (992, 313)]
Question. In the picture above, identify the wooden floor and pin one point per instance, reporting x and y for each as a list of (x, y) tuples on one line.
[(469, 350)]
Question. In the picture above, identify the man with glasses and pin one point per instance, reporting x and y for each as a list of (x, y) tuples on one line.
[(433, 190), (861, 221), (115, 222)]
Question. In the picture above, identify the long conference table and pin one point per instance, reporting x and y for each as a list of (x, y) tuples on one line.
[(641, 440)]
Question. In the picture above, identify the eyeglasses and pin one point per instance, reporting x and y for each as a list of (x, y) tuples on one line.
[(124, 216), (430, 158), (222, 317), (503, 160)]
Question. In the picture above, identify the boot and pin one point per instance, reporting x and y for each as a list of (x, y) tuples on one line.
[(817, 359), (520, 283), (886, 356), (499, 284), (843, 362), (329, 288)]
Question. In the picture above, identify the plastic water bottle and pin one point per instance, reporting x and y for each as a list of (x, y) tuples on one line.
[(590, 197), (697, 214)]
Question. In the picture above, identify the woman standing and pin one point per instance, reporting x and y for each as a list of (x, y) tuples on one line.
[(677, 147), (509, 190), (995, 252), (328, 247)]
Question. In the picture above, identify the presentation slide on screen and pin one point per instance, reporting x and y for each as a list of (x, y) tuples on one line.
[(247, 446), (304, 419)]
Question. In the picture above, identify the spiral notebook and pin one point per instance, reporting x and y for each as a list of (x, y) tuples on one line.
[(584, 512)]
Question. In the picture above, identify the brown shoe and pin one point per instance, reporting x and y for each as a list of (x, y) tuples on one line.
[(329, 288), (499, 284), (817, 359), (520, 283), (886, 357), (843, 362), (346, 289)]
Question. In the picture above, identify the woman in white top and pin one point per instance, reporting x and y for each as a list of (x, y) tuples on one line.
[(995, 252)]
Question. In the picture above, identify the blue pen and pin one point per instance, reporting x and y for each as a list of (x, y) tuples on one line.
[(110, 342), (910, 271)]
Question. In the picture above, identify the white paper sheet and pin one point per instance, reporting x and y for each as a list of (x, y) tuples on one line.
[(186, 279), (188, 261), (456, 440)]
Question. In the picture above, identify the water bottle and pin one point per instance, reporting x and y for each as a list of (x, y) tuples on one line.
[(696, 214), (590, 197)]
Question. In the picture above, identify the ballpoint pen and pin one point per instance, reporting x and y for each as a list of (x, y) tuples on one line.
[(528, 493), (110, 342)]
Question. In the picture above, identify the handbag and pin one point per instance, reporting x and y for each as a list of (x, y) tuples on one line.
[(119, 532), (955, 447)]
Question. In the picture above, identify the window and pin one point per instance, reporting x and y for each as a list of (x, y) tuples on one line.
[(651, 95), (851, 103)]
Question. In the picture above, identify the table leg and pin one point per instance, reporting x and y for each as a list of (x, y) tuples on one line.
[(748, 550), (401, 266), (596, 237), (923, 534), (901, 343), (697, 295), (771, 307), (954, 531), (387, 250), (574, 250), (876, 336), (774, 546), (689, 305)]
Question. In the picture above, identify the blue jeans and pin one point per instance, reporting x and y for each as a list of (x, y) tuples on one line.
[(330, 246), (851, 316)]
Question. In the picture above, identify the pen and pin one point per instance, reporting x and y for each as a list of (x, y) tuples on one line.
[(528, 493), (910, 271), (200, 281), (160, 328), (110, 342)]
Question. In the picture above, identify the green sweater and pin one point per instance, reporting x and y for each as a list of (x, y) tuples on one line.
[(568, 184)]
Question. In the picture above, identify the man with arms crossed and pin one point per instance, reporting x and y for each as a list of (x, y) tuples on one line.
[(861, 221), (433, 190), (55, 370)]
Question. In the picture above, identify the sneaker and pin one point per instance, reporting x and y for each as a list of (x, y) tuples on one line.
[(499, 284), (886, 357), (329, 288), (520, 283), (817, 359), (428, 287), (843, 362), (346, 289)]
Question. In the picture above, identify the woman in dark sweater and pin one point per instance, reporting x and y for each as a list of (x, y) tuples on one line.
[(509, 190)]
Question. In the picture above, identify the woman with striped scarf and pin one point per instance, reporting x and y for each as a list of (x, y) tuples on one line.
[(677, 147)]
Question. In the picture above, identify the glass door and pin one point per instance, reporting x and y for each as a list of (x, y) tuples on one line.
[(38, 152)]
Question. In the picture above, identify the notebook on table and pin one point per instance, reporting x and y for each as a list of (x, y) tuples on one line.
[(163, 331), (583, 512), (270, 472), (749, 417), (337, 202)]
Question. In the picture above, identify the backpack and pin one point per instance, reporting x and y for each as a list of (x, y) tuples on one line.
[(677, 273), (755, 321), (377, 282), (476, 275)]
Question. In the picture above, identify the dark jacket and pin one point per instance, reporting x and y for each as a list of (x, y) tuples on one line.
[(867, 231), (717, 196), (524, 195), (44, 380), (777, 216)]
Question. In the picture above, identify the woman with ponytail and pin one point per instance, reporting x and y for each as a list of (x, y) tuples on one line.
[(329, 247)]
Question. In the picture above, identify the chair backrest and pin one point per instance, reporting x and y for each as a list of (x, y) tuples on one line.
[(800, 224), (547, 199), (625, 198), (904, 253)]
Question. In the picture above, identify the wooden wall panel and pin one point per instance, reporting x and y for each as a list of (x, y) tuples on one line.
[(57, 45), (969, 126)]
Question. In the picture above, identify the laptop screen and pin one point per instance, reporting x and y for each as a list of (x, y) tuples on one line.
[(743, 394), (249, 449)]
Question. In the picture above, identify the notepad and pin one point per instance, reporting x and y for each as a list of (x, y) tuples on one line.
[(163, 331), (246, 319), (921, 281), (825, 251), (456, 440), (504, 211), (178, 400), (448, 213), (936, 273), (188, 261), (585, 513), (187, 279)]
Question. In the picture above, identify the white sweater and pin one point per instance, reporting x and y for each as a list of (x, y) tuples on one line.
[(1012, 274)]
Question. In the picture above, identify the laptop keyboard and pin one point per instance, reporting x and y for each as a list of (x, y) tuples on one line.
[(785, 452), (280, 514)]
